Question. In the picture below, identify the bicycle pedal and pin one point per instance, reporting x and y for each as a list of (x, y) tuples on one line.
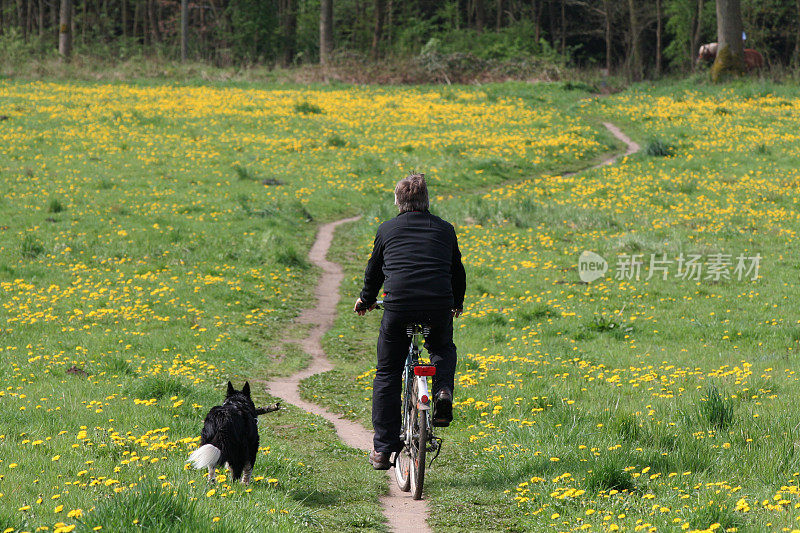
[(434, 444)]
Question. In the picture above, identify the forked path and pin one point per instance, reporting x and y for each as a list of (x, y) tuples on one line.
[(402, 512)]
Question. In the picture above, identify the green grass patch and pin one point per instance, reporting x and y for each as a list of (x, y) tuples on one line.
[(170, 272), (306, 107)]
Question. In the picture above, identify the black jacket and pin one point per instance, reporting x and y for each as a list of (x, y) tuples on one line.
[(417, 260)]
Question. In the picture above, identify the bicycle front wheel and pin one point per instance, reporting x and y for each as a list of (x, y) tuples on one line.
[(418, 448)]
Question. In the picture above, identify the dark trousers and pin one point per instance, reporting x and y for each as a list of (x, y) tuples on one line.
[(393, 343)]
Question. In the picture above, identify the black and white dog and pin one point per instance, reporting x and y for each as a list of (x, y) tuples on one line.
[(230, 435)]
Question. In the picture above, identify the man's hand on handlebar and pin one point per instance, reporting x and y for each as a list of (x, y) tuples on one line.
[(361, 309)]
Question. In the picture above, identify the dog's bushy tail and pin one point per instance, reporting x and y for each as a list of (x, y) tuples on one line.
[(205, 456)]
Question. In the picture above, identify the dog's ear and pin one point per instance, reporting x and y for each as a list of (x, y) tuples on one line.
[(246, 389), (231, 390)]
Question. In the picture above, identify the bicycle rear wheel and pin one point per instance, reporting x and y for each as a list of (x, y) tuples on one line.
[(402, 462), (418, 449)]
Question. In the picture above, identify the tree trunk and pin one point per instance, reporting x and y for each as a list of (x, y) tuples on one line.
[(796, 55), (325, 31), (21, 20), (202, 39), (359, 17), (40, 13), (658, 37), (108, 27), (153, 21), (65, 31), (147, 35), (607, 11), (29, 16), (730, 54), (479, 15), (380, 9), (73, 22), (695, 38), (136, 16), (535, 14), (124, 9), (499, 14), (635, 56), (563, 28), (55, 10), (390, 21), (287, 10), (184, 29)]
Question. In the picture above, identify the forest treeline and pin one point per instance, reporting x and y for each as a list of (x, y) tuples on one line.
[(640, 38)]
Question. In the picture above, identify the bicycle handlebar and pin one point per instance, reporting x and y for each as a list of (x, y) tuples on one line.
[(378, 305)]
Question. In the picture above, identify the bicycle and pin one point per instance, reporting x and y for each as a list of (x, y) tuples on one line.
[(416, 429)]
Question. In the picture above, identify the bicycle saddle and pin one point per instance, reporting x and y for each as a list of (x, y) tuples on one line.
[(416, 329)]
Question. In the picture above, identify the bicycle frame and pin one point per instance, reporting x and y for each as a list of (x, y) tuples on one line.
[(409, 463), (416, 372)]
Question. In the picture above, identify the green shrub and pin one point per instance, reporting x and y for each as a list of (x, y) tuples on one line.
[(715, 409), (716, 512), (610, 475), (614, 326), (336, 141), (14, 49), (688, 187), (31, 246), (55, 206), (244, 173), (659, 148), (288, 255), (160, 387), (578, 86), (118, 366), (307, 108), (538, 312), (627, 427)]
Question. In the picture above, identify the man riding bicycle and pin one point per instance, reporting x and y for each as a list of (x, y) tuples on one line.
[(416, 259)]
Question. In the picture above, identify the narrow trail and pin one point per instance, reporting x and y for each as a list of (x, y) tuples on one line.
[(402, 512), (630, 148)]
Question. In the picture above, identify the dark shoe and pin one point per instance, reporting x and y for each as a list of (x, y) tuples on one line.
[(379, 460), (443, 408)]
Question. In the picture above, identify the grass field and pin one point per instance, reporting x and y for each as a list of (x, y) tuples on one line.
[(627, 404), (153, 237)]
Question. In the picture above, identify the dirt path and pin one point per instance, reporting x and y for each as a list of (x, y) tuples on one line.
[(401, 511), (630, 148)]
